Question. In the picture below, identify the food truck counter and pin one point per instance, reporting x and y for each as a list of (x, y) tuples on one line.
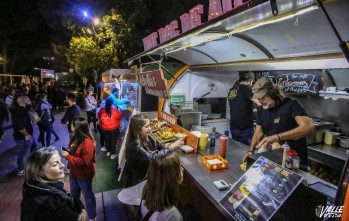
[(198, 189), (329, 155)]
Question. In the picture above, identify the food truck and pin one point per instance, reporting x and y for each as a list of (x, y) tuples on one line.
[(300, 45)]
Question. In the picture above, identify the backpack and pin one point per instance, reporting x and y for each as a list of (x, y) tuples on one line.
[(35, 118)]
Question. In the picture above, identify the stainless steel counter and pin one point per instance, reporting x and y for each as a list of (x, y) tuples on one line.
[(329, 155), (203, 178)]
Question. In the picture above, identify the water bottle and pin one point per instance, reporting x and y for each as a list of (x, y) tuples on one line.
[(223, 141)]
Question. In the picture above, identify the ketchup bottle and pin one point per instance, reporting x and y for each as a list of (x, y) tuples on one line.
[(223, 141)]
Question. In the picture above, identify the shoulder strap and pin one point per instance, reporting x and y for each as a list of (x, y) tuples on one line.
[(148, 215)]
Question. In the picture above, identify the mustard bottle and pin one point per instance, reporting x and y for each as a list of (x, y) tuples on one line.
[(203, 141)]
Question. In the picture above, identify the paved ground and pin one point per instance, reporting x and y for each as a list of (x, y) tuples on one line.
[(105, 184)]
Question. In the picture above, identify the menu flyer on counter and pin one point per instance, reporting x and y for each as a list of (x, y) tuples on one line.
[(260, 192)]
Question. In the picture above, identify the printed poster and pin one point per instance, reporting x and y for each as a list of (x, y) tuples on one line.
[(260, 192)]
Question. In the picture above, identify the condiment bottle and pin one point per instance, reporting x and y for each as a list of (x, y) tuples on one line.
[(288, 162), (223, 141), (213, 141), (203, 141), (285, 154), (295, 162)]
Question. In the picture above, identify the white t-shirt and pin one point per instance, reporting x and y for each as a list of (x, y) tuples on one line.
[(171, 214)]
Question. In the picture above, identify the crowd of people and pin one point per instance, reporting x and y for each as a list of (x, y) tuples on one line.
[(40, 162), (155, 170)]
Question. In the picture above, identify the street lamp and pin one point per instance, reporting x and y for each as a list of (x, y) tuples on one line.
[(96, 21)]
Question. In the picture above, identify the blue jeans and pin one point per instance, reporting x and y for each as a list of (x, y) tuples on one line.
[(242, 135), (85, 186), (45, 127), (23, 147)]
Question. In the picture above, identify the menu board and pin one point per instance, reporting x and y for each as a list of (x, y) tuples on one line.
[(260, 192), (297, 82)]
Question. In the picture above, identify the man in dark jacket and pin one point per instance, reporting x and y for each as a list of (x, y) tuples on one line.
[(72, 112), (4, 116), (22, 130)]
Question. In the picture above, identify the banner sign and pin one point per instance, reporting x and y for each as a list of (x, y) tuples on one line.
[(154, 83), (260, 192)]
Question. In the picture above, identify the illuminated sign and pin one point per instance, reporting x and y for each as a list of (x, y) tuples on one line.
[(189, 21), (47, 73)]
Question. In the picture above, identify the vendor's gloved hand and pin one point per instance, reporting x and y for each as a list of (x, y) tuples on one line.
[(247, 154)]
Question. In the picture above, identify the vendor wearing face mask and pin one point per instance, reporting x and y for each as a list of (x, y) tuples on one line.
[(279, 119)]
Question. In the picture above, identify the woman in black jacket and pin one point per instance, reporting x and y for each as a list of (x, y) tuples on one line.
[(44, 197), (139, 150)]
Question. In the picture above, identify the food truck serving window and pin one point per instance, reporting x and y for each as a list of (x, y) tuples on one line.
[(212, 105)]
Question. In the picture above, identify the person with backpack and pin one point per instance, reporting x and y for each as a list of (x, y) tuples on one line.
[(43, 110), (71, 113)]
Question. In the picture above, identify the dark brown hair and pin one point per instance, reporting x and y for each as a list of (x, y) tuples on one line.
[(161, 190), (81, 132), (276, 94)]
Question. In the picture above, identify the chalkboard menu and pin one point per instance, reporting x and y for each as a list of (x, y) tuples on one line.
[(260, 192), (306, 82)]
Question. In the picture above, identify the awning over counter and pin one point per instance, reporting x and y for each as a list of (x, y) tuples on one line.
[(250, 37)]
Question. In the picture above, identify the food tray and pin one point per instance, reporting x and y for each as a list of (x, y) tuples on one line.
[(161, 140), (187, 149), (214, 116), (220, 163)]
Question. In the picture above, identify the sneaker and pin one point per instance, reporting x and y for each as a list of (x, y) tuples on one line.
[(108, 154), (103, 149), (113, 156), (20, 173)]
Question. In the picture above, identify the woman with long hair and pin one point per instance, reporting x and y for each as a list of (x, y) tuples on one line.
[(139, 150), (161, 191), (110, 118), (81, 159), (44, 196)]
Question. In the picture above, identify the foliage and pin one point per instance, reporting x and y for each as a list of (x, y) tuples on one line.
[(108, 46)]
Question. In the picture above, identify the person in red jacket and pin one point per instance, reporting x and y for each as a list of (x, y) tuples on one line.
[(110, 119), (81, 157)]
